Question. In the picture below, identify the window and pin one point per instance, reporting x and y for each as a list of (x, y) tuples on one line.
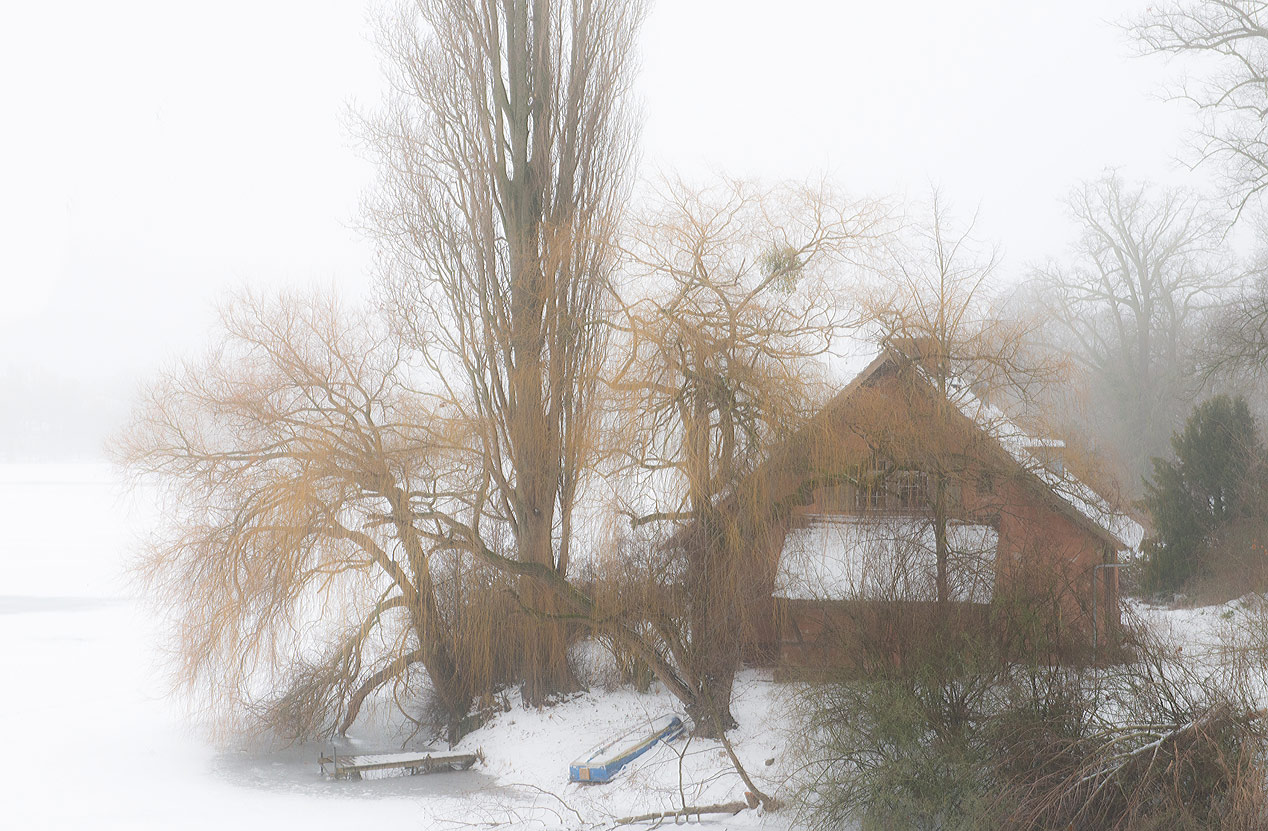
[(870, 495), (869, 492), (910, 488), (880, 487)]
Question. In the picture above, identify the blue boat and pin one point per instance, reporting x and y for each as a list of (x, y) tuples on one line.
[(602, 763)]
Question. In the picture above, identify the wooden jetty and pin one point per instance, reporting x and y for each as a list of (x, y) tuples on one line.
[(412, 762)]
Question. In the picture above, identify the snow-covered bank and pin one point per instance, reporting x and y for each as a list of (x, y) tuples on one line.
[(93, 741), (1199, 630), (529, 750)]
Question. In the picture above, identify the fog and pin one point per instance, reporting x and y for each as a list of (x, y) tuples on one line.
[(159, 156)]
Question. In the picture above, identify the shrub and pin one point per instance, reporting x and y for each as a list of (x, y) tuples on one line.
[(981, 742), (893, 753)]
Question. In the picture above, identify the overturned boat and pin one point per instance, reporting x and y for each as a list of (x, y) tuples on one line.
[(601, 763)]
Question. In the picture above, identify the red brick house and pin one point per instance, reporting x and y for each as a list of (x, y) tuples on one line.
[(910, 492)]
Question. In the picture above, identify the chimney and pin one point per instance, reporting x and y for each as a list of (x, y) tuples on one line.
[(923, 349)]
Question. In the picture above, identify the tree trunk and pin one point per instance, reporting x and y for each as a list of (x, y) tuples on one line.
[(715, 622), (535, 445), (435, 639), (710, 711), (545, 668), (941, 546)]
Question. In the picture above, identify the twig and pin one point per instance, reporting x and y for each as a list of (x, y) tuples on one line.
[(556, 796)]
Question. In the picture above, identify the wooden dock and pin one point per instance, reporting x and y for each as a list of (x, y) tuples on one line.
[(352, 767)]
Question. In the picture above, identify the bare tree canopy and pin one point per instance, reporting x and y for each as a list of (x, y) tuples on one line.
[(1229, 40), (1147, 263), (938, 286), (1233, 98), (733, 293), (288, 562), (934, 310), (504, 153), (1238, 335)]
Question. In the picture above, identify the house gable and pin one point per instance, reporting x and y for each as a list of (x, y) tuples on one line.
[(1013, 521), (987, 433)]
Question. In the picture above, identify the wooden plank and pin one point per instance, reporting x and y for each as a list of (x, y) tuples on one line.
[(354, 766)]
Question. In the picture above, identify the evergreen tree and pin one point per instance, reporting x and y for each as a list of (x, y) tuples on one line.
[(1215, 478)]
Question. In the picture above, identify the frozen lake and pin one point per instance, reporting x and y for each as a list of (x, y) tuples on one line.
[(92, 740)]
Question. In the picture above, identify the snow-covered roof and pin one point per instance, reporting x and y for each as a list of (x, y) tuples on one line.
[(850, 357), (1021, 446), (839, 557)]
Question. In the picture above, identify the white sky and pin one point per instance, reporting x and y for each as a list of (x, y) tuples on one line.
[(156, 155)]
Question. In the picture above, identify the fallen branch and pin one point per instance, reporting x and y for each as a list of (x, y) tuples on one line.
[(753, 794), (694, 810)]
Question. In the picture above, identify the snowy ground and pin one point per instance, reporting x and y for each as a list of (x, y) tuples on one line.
[(90, 739), (93, 741), (529, 750), (1197, 630)]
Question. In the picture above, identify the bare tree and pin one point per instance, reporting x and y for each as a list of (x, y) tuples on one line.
[(292, 459), (1147, 263), (504, 153), (934, 311), (1232, 35), (1237, 342), (733, 293), (1229, 39)]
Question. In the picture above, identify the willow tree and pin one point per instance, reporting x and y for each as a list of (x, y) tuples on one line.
[(504, 150), (288, 562), (733, 297)]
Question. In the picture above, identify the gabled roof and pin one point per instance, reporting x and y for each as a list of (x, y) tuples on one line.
[(1078, 500)]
